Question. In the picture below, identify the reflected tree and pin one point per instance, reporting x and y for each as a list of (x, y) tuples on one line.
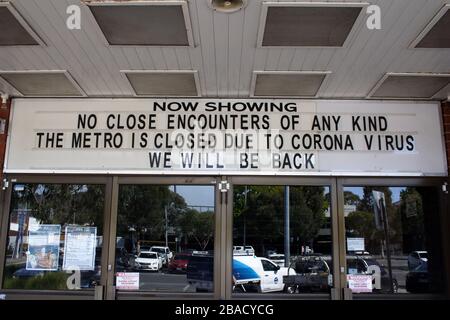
[(62, 203), (259, 215)]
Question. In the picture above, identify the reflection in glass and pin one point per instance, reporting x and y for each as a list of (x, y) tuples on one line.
[(393, 240), (54, 237), (166, 238), (282, 239)]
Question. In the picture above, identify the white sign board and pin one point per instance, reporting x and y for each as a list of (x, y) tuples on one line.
[(79, 248), (203, 136), (359, 283), (127, 280), (355, 244)]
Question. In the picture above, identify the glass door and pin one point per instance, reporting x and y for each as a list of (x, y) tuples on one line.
[(53, 232), (164, 238), (393, 238), (283, 238)]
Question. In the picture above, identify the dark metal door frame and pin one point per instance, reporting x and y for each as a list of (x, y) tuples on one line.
[(394, 182), (281, 181), (4, 218), (111, 292)]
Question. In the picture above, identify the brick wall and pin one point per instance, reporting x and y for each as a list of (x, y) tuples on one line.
[(446, 119), (4, 114)]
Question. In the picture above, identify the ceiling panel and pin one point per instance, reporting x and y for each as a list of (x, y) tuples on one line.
[(417, 86), (141, 23), (14, 30), (287, 84), (42, 83), (437, 33), (308, 26), (163, 83)]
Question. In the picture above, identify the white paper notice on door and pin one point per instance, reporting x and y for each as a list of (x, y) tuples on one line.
[(127, 280), (79, 248), (359, 283)]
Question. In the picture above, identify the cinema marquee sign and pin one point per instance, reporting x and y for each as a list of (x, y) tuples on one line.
[(204, 136)]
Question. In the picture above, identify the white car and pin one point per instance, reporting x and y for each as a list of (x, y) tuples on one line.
[(260, 272), (147, 260), (165, 253), (416, 258)]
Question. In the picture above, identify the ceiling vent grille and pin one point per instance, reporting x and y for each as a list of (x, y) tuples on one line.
[(437, 33), (143, 23), (410, 86), (163, 83), (307, 24), (43, 83), (287, 84), (14, 30)]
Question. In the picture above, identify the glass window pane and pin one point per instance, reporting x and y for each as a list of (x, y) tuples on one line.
[(165, 238), (55, 237), (261, 261), (393, 240)]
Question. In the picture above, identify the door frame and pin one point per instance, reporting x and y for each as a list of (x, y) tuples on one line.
[(96, 293), (111, 292), (285, 181), (443, 216)]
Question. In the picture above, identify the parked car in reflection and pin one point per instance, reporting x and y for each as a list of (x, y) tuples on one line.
[(416, 258), (179, 262), (165, 252), (200, 271), (366, 264), (258, 274), (313, 273), (148, 260), (419, 280)]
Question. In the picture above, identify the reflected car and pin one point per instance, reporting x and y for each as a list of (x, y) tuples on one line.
[(416, 258), (200, 271), (363, 264), (179, 262), (313, 273), (419, 279), (165, 252), (257, 274), (148, 261)]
